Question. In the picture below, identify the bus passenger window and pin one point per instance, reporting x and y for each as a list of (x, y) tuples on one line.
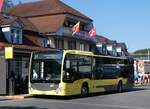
[(85, 67), (98, 68), (67, 64)]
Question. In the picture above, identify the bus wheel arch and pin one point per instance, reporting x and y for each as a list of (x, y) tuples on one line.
[(84, 89), (120, 86)]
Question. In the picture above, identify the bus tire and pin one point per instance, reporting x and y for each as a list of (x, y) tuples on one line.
[(119, 87), (84, 90)]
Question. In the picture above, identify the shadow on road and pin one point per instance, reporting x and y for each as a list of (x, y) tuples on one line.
[(138, 89), (14, 107), (91, 95)]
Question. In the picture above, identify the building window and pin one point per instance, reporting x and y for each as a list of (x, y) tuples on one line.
[(16, 36), (104, 49), (86, 47), (69, 24), (47, 43), (82, 46), (82, 27), (114, 53), (59, 44), (71, 45), (122, 53)]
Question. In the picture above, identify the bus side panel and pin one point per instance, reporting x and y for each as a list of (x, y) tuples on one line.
[(75, 87), (108, 84)]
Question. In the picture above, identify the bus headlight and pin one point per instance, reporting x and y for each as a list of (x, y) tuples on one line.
[(59, 90)]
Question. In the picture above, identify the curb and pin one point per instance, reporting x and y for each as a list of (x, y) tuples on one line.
[(4, 99), (136, 85), (16, 97)]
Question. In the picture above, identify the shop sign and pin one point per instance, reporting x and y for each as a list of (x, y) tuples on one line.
[(9, 53)]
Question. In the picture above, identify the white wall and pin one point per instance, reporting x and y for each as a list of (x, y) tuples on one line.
[(109, 47)]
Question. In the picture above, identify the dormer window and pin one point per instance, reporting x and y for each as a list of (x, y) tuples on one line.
[(47, 43), (84, 26), (7, 16), (16, 36), (69, 23)]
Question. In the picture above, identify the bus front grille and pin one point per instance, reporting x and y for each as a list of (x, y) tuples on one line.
[(44, 86)]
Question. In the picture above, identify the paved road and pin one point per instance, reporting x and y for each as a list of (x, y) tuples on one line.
[(136, 99)]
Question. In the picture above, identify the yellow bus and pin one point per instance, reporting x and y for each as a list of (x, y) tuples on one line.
[(74, 72)]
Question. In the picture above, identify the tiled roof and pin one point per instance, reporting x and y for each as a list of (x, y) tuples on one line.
[(48, 23), (23, 47), (27, 47), (6, 21), (29, 42), (40, 24), (27, 25), (44, 7), (122, 45), (104, 40), (31, 39)]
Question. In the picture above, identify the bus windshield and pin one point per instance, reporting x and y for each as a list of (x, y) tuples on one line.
[(46, 67)]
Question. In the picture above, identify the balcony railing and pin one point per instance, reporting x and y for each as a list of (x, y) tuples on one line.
[(65, 31)]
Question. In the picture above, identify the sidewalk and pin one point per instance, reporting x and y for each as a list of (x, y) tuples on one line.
[(142, 85), (15, 97)]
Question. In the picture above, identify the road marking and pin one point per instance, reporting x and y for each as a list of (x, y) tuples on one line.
[(11, 100), (81, 103), (4, 99), (99, 105)]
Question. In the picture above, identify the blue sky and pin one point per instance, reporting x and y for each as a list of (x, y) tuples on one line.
[(122, 20)]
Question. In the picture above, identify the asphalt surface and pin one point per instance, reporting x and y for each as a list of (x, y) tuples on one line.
[(139, 98)]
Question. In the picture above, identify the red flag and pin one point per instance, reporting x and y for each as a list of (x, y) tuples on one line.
[(1, 5), (92, 32), (76, 28)]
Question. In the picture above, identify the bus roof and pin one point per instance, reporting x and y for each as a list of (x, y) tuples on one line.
[(82, 53), (78, 52), (104, 56), (91, 54)]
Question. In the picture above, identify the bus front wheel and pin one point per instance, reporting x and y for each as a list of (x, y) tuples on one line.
[(84, 90)]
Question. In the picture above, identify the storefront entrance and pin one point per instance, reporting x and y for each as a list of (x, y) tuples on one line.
[(17, 77)]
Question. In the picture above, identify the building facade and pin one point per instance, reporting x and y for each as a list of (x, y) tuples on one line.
[(105, 46), (37, 29), (142, 66), (41, 26), (142, 61)]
